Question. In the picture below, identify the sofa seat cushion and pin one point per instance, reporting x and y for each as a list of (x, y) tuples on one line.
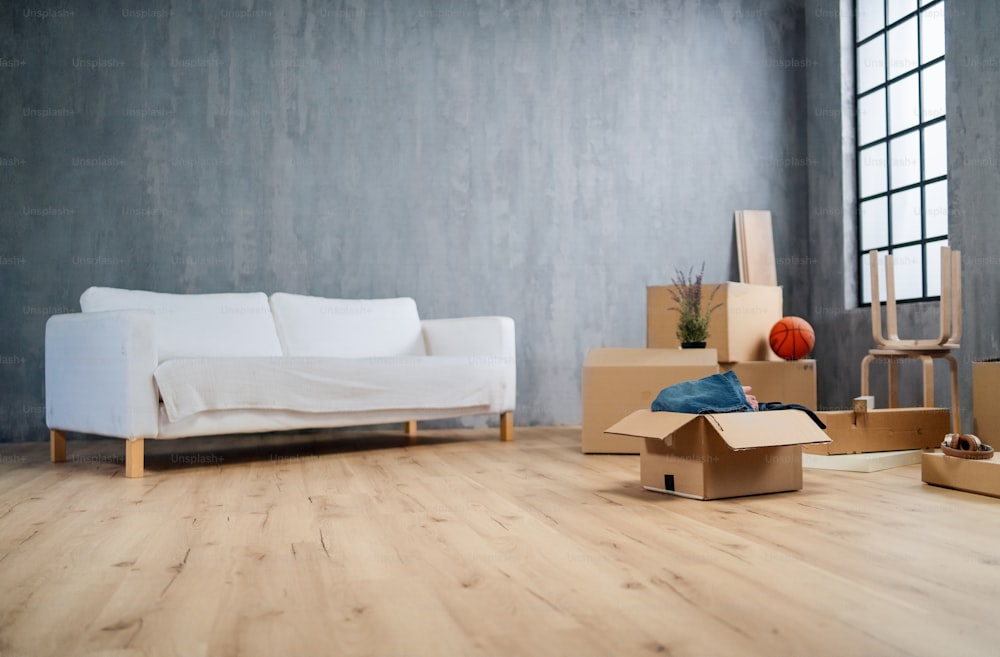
[(197, 325), (327, 385), (347, 328)]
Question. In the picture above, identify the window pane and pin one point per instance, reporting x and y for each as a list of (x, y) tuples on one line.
[(934, 268), (904, 108), (874, 224), (906, 217), (904, 169), (873, 166), (871, 64), (935, 151), (936, 199), (870, 17), (871, 117), (932, 91), (900, 8), (908, 267), (932, 33), (903, 48)]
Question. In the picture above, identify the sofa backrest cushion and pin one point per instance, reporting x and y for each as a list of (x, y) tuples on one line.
[(197, 325), (347, 328)]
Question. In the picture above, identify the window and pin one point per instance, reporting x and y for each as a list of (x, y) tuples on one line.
[(902, 162)]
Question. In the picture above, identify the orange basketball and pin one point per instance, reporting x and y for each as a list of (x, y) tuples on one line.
[(792, 338)]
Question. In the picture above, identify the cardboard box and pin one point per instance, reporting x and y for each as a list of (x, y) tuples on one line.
[(738, 330), (712, 456), (970, 475), (883, 430), (788, 381), (985, 409), (619, 381)]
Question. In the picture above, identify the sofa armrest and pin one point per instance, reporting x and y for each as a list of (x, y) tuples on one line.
[(469, 336), (99, 373), (483, 340)]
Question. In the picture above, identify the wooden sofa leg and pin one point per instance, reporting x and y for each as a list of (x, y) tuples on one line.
[(57, 445), (134, 458), (507, 426), (411, 428)]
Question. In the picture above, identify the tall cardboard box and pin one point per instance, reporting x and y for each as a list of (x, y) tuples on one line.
[(617, 381), (883, 430), (738, 330), (788, 381), (985, 409), (719, 455)]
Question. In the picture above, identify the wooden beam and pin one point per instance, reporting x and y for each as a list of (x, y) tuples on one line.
[(507, 426), (134, 455), (57, 445)]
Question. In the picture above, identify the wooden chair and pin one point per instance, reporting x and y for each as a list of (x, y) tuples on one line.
[(892, 348)]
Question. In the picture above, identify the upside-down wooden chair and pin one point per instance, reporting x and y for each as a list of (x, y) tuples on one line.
[(892, 348)]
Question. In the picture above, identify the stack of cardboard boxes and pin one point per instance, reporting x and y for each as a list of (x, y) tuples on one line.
[(726, 455), (619, 381), (710, 456)]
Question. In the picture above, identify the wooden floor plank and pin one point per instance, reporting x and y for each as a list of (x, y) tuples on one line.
[(355, 543)]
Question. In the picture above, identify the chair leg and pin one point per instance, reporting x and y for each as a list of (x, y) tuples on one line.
[(956, 406), (893, 382), (134, 456), (866, 364), (928, 364), (57, 445), (507, 426)]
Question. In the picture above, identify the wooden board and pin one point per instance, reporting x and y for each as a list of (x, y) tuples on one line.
[(755, 247)]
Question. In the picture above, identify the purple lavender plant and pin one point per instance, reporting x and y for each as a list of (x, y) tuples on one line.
[(692, 325)]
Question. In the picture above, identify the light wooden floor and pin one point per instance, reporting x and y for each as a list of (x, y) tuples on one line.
[(358, 544)]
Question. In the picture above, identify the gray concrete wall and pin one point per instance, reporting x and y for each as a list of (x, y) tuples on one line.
[(974, 176), (839, 325), (843, 329), (545, 160)]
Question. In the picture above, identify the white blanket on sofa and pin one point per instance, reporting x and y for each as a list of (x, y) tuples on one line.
[(328, 385)]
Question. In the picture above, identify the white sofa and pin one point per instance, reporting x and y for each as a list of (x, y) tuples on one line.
[(136, 364)]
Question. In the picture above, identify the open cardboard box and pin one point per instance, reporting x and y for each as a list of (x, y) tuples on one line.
[(719, 455), (738, 330), (970, 475)]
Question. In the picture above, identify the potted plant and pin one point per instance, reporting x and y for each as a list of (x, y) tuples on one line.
[(692, 326)]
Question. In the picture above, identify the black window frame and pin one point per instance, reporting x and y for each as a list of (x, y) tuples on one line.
[(922, 183)]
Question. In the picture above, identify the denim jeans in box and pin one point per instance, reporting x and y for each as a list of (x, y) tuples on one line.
[(718, 393)]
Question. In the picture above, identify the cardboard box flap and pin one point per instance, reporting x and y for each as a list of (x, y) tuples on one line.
[(767, 429), (645, 423)]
